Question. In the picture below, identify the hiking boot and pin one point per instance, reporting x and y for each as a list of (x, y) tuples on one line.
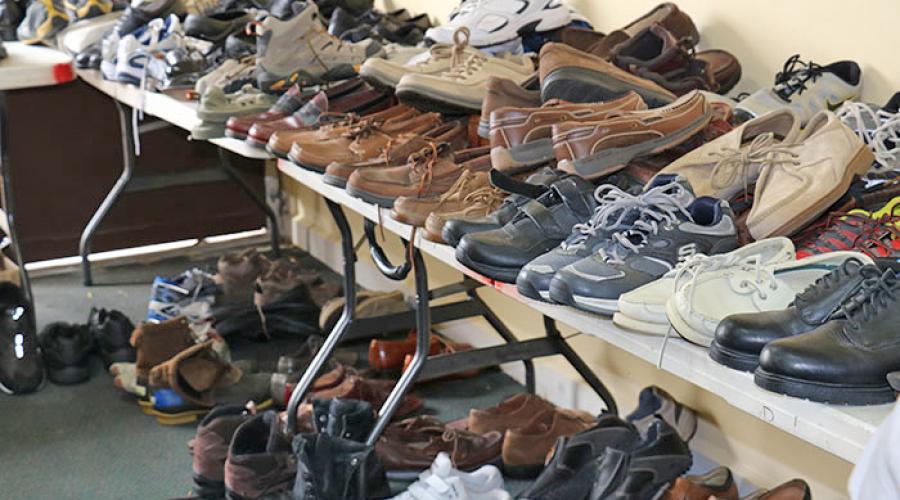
[(521, 138), (260, 461), (504, 93), (209, 448), (111, 331), (596, 149), (237, 273), (320, 58), (21, 368), (343, 418), (331, 467), (66, 350), (571, 75)]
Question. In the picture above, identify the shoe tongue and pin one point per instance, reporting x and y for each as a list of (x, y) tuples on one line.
[(442, 465)]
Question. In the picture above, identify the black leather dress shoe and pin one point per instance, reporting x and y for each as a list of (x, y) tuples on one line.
[(538, 227), (741, 337), (844, 361), (573, 466)]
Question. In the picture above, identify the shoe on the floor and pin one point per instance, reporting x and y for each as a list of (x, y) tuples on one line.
[(334, 467), (505, 93), (674, 226), (525, 448), (368, 304), (596, 149), (513, 412), (320, 58), (806, 88), (571, 75), (662, 455), (66, 350), (739, 338), (237, 273), (155, 343), (112, 331), (444, 480), (344, 418), (877, 126), (21, 367), (538, 227), (260, 460), (494, 23), (209, 448), (718, 483), (43, 20), (188, 294), (848, 360), (653, 403), (801, 182)]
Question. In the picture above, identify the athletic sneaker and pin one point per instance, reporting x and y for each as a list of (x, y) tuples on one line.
[(876, 234), (230, 76), (672, 227), (616, 211), (806, 88), (78, 10), (21, 369), (444, 481), (644, 309), (134, 51), (43, 20), (189, 294), (493, 22), (878, 127), (296, 47)]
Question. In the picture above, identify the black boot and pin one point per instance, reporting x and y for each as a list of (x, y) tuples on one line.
[(21, 369), (330, 468), (349, 419)]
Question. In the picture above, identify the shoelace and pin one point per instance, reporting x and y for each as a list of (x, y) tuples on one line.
[(423, 161), (734, 163), (877, 295), (792, 79), (883, 138), (613, 207), (486, 197), (860, 231), (827, 282), (155, 27)]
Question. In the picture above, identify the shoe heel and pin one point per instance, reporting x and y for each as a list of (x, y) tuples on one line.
[(861, 162)]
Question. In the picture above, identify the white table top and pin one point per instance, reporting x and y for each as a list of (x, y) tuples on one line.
[(28, 66)]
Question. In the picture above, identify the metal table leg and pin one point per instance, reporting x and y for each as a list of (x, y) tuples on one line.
[(274, 231), (128, 164), (9, 201)]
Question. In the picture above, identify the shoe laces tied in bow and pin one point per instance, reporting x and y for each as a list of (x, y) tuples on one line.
[(734, 163)]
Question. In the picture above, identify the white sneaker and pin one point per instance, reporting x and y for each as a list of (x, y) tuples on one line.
[(644, 309), (443, 482), (494, 22), (135, 50), (438, 59), (878, 127), (700, 303), (108, 50)]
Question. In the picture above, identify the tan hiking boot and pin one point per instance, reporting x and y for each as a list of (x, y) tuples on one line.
[(430, 172), (360, 142), (802, 181), (415, 211), (477, 204), (521, 138), (596, 149), (734, 161), (504, 93), (575, 76)]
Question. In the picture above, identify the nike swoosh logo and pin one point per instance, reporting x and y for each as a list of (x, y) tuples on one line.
[(832, 106)]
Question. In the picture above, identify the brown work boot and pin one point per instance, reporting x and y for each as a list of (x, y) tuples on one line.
[(593, 150), (280, 142), (260, 460), (665, 14), (414, 210), (209, 448), (521, 138), (155, 343), (477, 204), (525, 448), (575, 76), (397, 152), (237, 273), (504, 93), (194, 373), (361, 142), (429, 173)]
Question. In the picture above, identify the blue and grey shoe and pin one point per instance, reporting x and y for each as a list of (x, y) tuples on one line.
[(191, 294)]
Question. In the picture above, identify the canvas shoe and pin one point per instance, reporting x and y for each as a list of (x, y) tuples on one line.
[(806, 88), (699, 304), (802, 180), (878, 127), (644, 309), (444, 481), (616, 211), (672, 227), (297, 48), (494, 22)]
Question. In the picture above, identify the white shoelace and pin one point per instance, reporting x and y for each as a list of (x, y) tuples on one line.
[(613, 206), (884, 138), (156, 28)]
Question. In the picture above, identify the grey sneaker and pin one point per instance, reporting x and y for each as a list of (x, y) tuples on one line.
[(806, 88), (673, 226), (654, 402), (296, 47)]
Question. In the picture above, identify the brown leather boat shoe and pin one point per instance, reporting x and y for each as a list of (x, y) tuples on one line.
[(525, 448)]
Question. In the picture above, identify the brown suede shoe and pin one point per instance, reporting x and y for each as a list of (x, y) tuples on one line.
[(428, 173), (387, 355), (514, 412), (504, 93), (194, 373), (361, 142), (397, 152), (280, 142), (525, 448), (593, 150), (156, 343), (572, 75), (521, 138), (795, 489), (405, 454), (415, 211), (666, 14), (475, 205), (717, 483)]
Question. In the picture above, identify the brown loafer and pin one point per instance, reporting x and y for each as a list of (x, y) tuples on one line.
[(514, 412), (525, 449)]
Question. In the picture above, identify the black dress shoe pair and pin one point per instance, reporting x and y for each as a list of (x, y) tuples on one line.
[(838, 343)]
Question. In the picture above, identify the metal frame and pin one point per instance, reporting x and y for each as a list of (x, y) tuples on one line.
[(422, 366), (128, 181)]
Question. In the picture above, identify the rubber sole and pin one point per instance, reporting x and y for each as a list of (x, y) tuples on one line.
[(527, 289), (501, 274), (635, 325), (562, 294), (582, 85), (428, 100), (278, 84), (381, 201), (277, 154), (684, 330), (522, 157), (821, 392), (190, 416), (745, 362), (333, 180)]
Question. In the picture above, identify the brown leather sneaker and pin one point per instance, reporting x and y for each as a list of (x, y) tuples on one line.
[(525, 449), (504, 93), (397, 152), (280, 142), (414, 210), (405, 454), (666, 14), (717, 483), (572, 75), (429, 173), (514, 412), (596, 149), (477, 204), (360, 142), (521, 138)]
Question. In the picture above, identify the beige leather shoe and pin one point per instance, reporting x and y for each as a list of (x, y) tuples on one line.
[(802, 181), (733, 162)]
